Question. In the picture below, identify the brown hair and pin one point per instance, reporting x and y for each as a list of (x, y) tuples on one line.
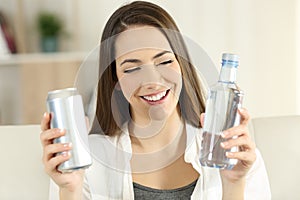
[(191, 98)]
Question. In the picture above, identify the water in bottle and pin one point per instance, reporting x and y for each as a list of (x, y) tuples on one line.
[(223, 101)]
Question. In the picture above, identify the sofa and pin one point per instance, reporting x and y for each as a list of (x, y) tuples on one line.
[(22, 175), (21, 171), (277, 138)]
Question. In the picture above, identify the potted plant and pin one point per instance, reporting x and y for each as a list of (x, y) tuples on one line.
[(49, 26)]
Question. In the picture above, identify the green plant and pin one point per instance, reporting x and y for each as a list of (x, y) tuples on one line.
[(49, 24)]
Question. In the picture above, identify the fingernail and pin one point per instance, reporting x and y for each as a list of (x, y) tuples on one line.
[(224, 144), (65, 153), (67, 144), (241, 110), (228, 154), (224, 133), (59, 131), (45, 114)]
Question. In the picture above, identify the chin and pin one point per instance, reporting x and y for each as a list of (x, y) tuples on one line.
[(158, 113)]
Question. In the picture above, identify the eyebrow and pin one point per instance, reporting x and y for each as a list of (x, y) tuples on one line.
[(160, 54), (130, 61), (139, 61)]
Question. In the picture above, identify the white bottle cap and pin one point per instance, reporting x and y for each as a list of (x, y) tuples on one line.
[(231, 57)]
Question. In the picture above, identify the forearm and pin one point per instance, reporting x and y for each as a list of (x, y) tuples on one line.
[(233, 190), (65, 194)]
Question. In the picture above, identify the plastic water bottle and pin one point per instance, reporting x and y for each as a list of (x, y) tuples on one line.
[(222, 105)]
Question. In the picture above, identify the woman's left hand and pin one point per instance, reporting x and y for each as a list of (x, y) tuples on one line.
[(246, 155)]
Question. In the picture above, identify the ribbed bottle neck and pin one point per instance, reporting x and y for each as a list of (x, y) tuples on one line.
[(228, 74)]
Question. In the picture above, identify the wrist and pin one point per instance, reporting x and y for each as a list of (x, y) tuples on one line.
[(233, 189), (70, 193), (233, 181)]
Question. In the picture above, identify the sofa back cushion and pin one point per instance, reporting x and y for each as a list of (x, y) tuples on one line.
[(278, 139)]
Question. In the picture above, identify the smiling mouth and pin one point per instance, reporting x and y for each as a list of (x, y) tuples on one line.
[(157, 97)]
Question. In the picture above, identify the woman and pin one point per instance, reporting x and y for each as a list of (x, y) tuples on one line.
[(147, 135)]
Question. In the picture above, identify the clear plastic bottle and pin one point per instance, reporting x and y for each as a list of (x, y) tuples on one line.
[(222, 104)]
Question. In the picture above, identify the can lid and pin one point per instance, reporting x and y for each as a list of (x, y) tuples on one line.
[(63, 93)]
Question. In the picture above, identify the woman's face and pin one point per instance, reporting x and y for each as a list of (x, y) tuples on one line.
[(148, 72)]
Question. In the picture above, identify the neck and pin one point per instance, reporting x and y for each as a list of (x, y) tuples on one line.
[(228, 75), (156, 134), (160, 149)]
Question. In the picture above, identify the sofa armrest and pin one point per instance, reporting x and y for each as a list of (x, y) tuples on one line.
[(21, 170)]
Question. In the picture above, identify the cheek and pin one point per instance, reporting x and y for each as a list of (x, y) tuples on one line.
[(170, 74), (173, 76), (128, 85)]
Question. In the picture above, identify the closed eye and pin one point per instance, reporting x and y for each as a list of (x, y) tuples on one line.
[(166, 62), (130, 70)]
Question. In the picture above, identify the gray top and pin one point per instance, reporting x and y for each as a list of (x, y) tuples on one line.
[(146, 193)]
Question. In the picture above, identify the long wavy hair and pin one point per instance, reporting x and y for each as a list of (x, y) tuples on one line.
[(191, 99)]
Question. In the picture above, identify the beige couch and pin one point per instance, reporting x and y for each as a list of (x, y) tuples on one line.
[(21, 171), (278, 139), (22, 175)]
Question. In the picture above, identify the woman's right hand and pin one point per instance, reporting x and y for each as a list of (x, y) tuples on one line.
[(67, 182)]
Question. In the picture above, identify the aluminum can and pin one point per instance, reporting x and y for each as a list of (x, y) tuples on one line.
[(66, 109)]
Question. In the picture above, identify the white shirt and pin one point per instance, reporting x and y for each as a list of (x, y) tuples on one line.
[(110, 177)]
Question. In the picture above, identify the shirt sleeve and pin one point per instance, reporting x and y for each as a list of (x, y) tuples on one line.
[(54, 190), (257, 182)]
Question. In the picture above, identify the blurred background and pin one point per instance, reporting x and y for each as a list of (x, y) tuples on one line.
[(34, 60)]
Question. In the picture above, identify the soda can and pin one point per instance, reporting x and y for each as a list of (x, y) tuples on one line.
[(66, 109)]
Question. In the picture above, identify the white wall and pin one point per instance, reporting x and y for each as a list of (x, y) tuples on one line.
[(265, 33), (298, 55), (268, 52)]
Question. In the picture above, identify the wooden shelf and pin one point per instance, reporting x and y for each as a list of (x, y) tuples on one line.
[(19, 59), (26, 79)]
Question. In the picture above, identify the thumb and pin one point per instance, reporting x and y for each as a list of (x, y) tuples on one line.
[(202, 119), (45, 122)]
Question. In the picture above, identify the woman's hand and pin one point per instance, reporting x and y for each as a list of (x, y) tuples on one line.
[(68, 182), (246, 155), (233, 181)]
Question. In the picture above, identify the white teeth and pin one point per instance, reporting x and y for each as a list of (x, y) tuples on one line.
[(155, 97)]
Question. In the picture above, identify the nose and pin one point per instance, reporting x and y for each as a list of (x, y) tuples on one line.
[(152, 78)]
